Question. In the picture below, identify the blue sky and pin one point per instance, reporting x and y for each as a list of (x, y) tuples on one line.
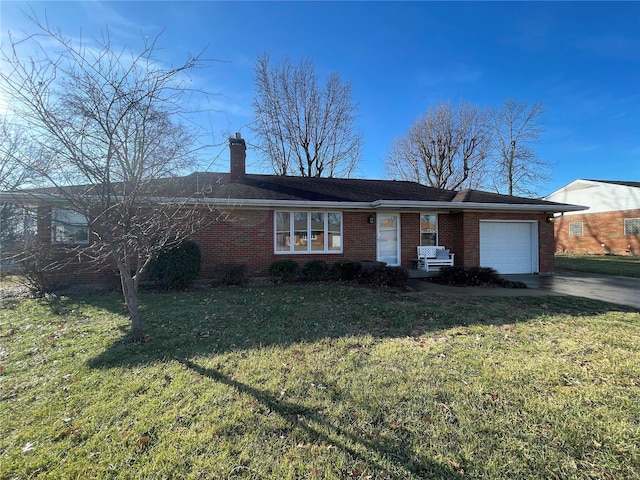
[(580, 59)]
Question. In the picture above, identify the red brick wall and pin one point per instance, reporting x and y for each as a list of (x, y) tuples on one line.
[(409, 238), (410, 235), (72, 266), (247, 237), (465, 229), (598, 228)]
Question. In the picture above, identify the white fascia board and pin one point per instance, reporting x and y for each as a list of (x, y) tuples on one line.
[(391, 205), (261, 203), (473, 206), (26, 198)]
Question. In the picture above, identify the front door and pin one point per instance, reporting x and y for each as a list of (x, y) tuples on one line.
[(388, 238)]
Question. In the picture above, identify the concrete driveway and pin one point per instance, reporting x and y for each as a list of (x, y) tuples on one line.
[(607, 288)]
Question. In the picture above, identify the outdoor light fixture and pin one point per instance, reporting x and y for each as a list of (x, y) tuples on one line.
[(550, 219), (371, 219)]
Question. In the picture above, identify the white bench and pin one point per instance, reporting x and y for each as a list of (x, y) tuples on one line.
[(433, 257)]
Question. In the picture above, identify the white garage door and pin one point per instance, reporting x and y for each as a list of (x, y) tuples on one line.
[(509, 247)]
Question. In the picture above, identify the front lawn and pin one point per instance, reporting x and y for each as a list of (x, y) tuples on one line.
[(320, 381), (605, 264)]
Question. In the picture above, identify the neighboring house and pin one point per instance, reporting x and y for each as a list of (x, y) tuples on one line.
[(268, 217), (611, 225)]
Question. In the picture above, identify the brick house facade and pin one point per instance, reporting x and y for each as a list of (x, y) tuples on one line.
[(598, 233), (264, 218), (248, 238), (611, 225)]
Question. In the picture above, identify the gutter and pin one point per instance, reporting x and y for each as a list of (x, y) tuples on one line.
[(43, 198)]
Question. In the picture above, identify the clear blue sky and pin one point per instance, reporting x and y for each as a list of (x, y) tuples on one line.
[(581, 60)]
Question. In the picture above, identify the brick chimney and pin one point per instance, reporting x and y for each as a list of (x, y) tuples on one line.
[(238, 154)]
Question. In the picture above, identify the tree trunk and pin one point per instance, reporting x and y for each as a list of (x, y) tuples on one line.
[(131, 300)]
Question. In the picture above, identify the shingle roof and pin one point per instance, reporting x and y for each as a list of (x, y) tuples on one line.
[(274, 187), (282, 189)]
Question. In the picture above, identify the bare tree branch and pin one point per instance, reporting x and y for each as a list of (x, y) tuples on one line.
[(515, 129), (111, 132), (445, 148), (303, 129)]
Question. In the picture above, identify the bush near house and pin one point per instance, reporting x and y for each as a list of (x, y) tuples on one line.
[(284, 271), (383, 276), (345, 270), (36, 271), (315, 271), (176, 268), (474, 277)]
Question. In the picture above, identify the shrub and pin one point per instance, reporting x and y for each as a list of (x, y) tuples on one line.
[(345, 270), (475, 277), (382, 275), (176, 268), (38, 263), (315, 270), (283, 271), (232, 274), (396, 277)]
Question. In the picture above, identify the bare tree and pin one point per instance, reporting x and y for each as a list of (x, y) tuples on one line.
[(515, 129), (109, 126), (304, 129), (14, 148), (445, 148)]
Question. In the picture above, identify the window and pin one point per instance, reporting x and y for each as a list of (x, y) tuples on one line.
[(428, 229), (575, 229), (632, 226), (308, 232), (68, 226)]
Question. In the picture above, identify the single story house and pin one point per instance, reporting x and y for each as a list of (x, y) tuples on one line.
[(269, 217), (611, 225)]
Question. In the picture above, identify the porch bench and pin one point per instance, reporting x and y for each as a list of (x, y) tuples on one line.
[(433, 257)]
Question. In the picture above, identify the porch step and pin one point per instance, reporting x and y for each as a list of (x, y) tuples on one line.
[(415, 273)]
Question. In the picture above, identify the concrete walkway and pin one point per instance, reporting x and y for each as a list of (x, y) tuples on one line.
[(607, 288)]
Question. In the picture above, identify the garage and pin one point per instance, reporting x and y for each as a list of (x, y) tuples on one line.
[(509, 246)]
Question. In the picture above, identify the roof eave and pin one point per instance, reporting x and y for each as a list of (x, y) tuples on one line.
[(43, 198), (478, 206)]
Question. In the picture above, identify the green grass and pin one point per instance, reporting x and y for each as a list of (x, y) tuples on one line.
[(320, 381), (605, 264)]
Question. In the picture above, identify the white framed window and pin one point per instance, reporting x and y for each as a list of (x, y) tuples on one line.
[(428, 229), (308, 232), (68, 226), (632, 226), (576, 229)]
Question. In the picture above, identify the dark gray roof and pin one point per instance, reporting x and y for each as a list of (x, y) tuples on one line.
[(278, 189), (274, 187)]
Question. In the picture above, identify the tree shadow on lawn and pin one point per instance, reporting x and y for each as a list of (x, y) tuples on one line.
[(187, 325), (202, 325), (377, 455)]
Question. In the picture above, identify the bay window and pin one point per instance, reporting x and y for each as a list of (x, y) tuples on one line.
[(308, 232)]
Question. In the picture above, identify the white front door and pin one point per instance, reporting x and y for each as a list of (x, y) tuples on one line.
[(388, 238)]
